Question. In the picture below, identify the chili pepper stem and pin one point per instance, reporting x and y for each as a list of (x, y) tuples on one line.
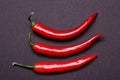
[(29, 38), (29, 19), (22, 65)]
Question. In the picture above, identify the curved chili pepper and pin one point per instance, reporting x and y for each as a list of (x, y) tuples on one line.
[(50, 67), (61, 34), (62, 51)]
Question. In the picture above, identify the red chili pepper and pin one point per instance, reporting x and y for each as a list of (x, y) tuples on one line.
[(62, 51), (61, 34), (50, 67)]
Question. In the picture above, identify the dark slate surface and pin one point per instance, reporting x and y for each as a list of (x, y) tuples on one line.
[(59, 14)]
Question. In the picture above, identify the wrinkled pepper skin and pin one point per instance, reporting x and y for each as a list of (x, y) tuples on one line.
[(62, 34), (56, 67), (62, 51)]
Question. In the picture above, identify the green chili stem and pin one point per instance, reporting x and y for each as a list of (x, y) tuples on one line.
[(22, 65), (29, 38), (29, 18)]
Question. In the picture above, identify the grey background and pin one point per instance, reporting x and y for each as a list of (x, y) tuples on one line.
[(59, 14)]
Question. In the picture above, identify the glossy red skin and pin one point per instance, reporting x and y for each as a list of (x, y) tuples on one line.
[(62, 51), (62, 34), (49, 67)]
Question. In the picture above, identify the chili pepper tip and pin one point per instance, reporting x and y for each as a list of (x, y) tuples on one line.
[(94, 55), (101, 33), (95, 14), (31, 13), (14, 63)]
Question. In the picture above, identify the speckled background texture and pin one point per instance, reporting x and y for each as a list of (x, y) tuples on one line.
[(59, 14)]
